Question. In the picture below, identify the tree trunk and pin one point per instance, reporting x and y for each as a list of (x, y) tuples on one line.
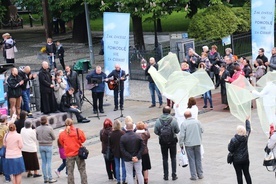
[(138, 33), (80, 29), (159, 25), (46, 19)]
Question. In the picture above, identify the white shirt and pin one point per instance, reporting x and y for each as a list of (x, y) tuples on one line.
[(29, 140)]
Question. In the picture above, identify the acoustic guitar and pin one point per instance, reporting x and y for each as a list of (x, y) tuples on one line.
[(112, 84)]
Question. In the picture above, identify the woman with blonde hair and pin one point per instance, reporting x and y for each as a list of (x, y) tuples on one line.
[(115, 137), (238, 146), (145, 135), (13, 163)]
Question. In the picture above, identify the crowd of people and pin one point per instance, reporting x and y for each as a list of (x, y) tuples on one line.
[(128, 144)]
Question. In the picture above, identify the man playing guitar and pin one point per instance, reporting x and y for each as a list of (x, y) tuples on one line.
[(96, 78), (119, 75)]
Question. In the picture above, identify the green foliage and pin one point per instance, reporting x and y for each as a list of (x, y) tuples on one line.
[(2, 12), (214, 22), (244, 18)]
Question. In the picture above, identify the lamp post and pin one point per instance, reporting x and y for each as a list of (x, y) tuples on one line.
[(91, 53)]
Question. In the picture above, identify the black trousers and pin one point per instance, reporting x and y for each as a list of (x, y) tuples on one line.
[(61, 60), (110, 168), (97, 96), (164, 150), (242, 168), (116, 93)]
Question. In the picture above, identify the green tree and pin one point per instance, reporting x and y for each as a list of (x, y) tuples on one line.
[(214, 22), (138, 8)]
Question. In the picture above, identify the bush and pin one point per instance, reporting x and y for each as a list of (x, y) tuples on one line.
[(214, 22), (244, 18)]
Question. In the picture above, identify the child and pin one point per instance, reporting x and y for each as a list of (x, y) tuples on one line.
[(62, 156), (60, 53), (51, 51)]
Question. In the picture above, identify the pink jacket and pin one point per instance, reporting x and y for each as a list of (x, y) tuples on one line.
[(61, 153), (14, 144), (236, 76)]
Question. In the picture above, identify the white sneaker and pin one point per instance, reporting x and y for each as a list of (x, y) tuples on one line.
[(57, 173)]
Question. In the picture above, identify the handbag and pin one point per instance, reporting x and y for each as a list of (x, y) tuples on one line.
[(183, 159), (83, 152), (3, 149), (230, 158), (109, 154)]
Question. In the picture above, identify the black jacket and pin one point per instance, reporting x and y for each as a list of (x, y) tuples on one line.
[(51, 48), (24, 77), (117, 75), (115, 137), (60, 52), (131, 145), (45, 81), (14, 88), (65, 102), (104, 133), (73, 80), (239, 146), (147, 72)]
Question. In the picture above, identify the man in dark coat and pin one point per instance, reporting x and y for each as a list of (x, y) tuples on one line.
[(223, 75), (66, 106), (119, 75), (96, 78), (73, 81), (14, 83), (26, 75), (132, 147), (48, 100)]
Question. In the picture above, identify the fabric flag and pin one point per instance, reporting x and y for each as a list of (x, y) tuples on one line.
[(239, 98)]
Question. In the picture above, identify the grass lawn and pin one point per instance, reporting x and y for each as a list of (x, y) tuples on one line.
[(171, 23)]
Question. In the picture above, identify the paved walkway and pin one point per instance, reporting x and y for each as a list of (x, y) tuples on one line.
[(219, 127)]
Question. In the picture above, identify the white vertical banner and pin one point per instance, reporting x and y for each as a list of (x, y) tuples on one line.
[(116, 44), (262, 24)]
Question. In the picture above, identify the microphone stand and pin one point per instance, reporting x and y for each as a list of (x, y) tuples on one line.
[(119, 91)]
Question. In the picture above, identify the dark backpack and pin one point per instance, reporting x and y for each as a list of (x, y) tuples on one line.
[(166, 132)]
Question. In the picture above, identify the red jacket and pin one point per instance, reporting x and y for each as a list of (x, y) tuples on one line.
[(71, 141)]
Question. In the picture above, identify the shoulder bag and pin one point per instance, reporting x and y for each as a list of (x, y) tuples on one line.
[(3, 149), (83, 152)]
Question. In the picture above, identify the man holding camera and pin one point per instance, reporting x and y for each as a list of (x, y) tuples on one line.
[(96, 78)]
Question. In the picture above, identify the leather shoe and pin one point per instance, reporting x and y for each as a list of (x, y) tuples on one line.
[(101, 111), (121, 108), (174, 178), (29, 175), (37, 175), (95, 112), (116, 108), (152, 106), (85, 120), (166, 178)]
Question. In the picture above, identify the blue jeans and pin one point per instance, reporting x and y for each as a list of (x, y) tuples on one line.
[(51, 62), (117, 169), (46, 156), (26, 100), (153, 88), (208, 96), (7, 177), (62, 166)]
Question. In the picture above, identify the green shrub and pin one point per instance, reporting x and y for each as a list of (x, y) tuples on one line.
[(214, 22), (244, 18)]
